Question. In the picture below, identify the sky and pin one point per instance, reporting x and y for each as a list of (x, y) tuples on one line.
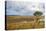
[(24, 8)]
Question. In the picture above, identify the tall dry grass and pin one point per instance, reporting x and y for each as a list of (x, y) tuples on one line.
[(23, 22)]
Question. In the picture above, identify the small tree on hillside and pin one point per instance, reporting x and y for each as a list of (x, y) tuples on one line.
[(37, 13)]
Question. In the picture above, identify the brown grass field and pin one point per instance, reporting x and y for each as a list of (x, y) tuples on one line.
[(24, 22)]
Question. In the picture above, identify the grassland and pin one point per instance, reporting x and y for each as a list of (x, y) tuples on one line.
[(23, 22)]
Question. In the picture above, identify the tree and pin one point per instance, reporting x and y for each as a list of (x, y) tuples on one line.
[(38, 13)]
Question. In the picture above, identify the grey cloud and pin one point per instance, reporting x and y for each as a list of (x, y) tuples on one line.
[(15, 8)]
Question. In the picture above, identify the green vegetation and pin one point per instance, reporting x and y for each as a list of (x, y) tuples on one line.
[(38, 13)]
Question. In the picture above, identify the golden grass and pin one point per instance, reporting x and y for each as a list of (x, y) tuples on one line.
[(15, 22)]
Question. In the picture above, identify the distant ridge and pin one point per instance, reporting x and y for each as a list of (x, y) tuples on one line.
[(12, 15)]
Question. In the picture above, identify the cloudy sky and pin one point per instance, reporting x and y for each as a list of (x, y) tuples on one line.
[(24, 8)]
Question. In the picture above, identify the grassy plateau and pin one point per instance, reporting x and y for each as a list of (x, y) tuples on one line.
[(24, 22)]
